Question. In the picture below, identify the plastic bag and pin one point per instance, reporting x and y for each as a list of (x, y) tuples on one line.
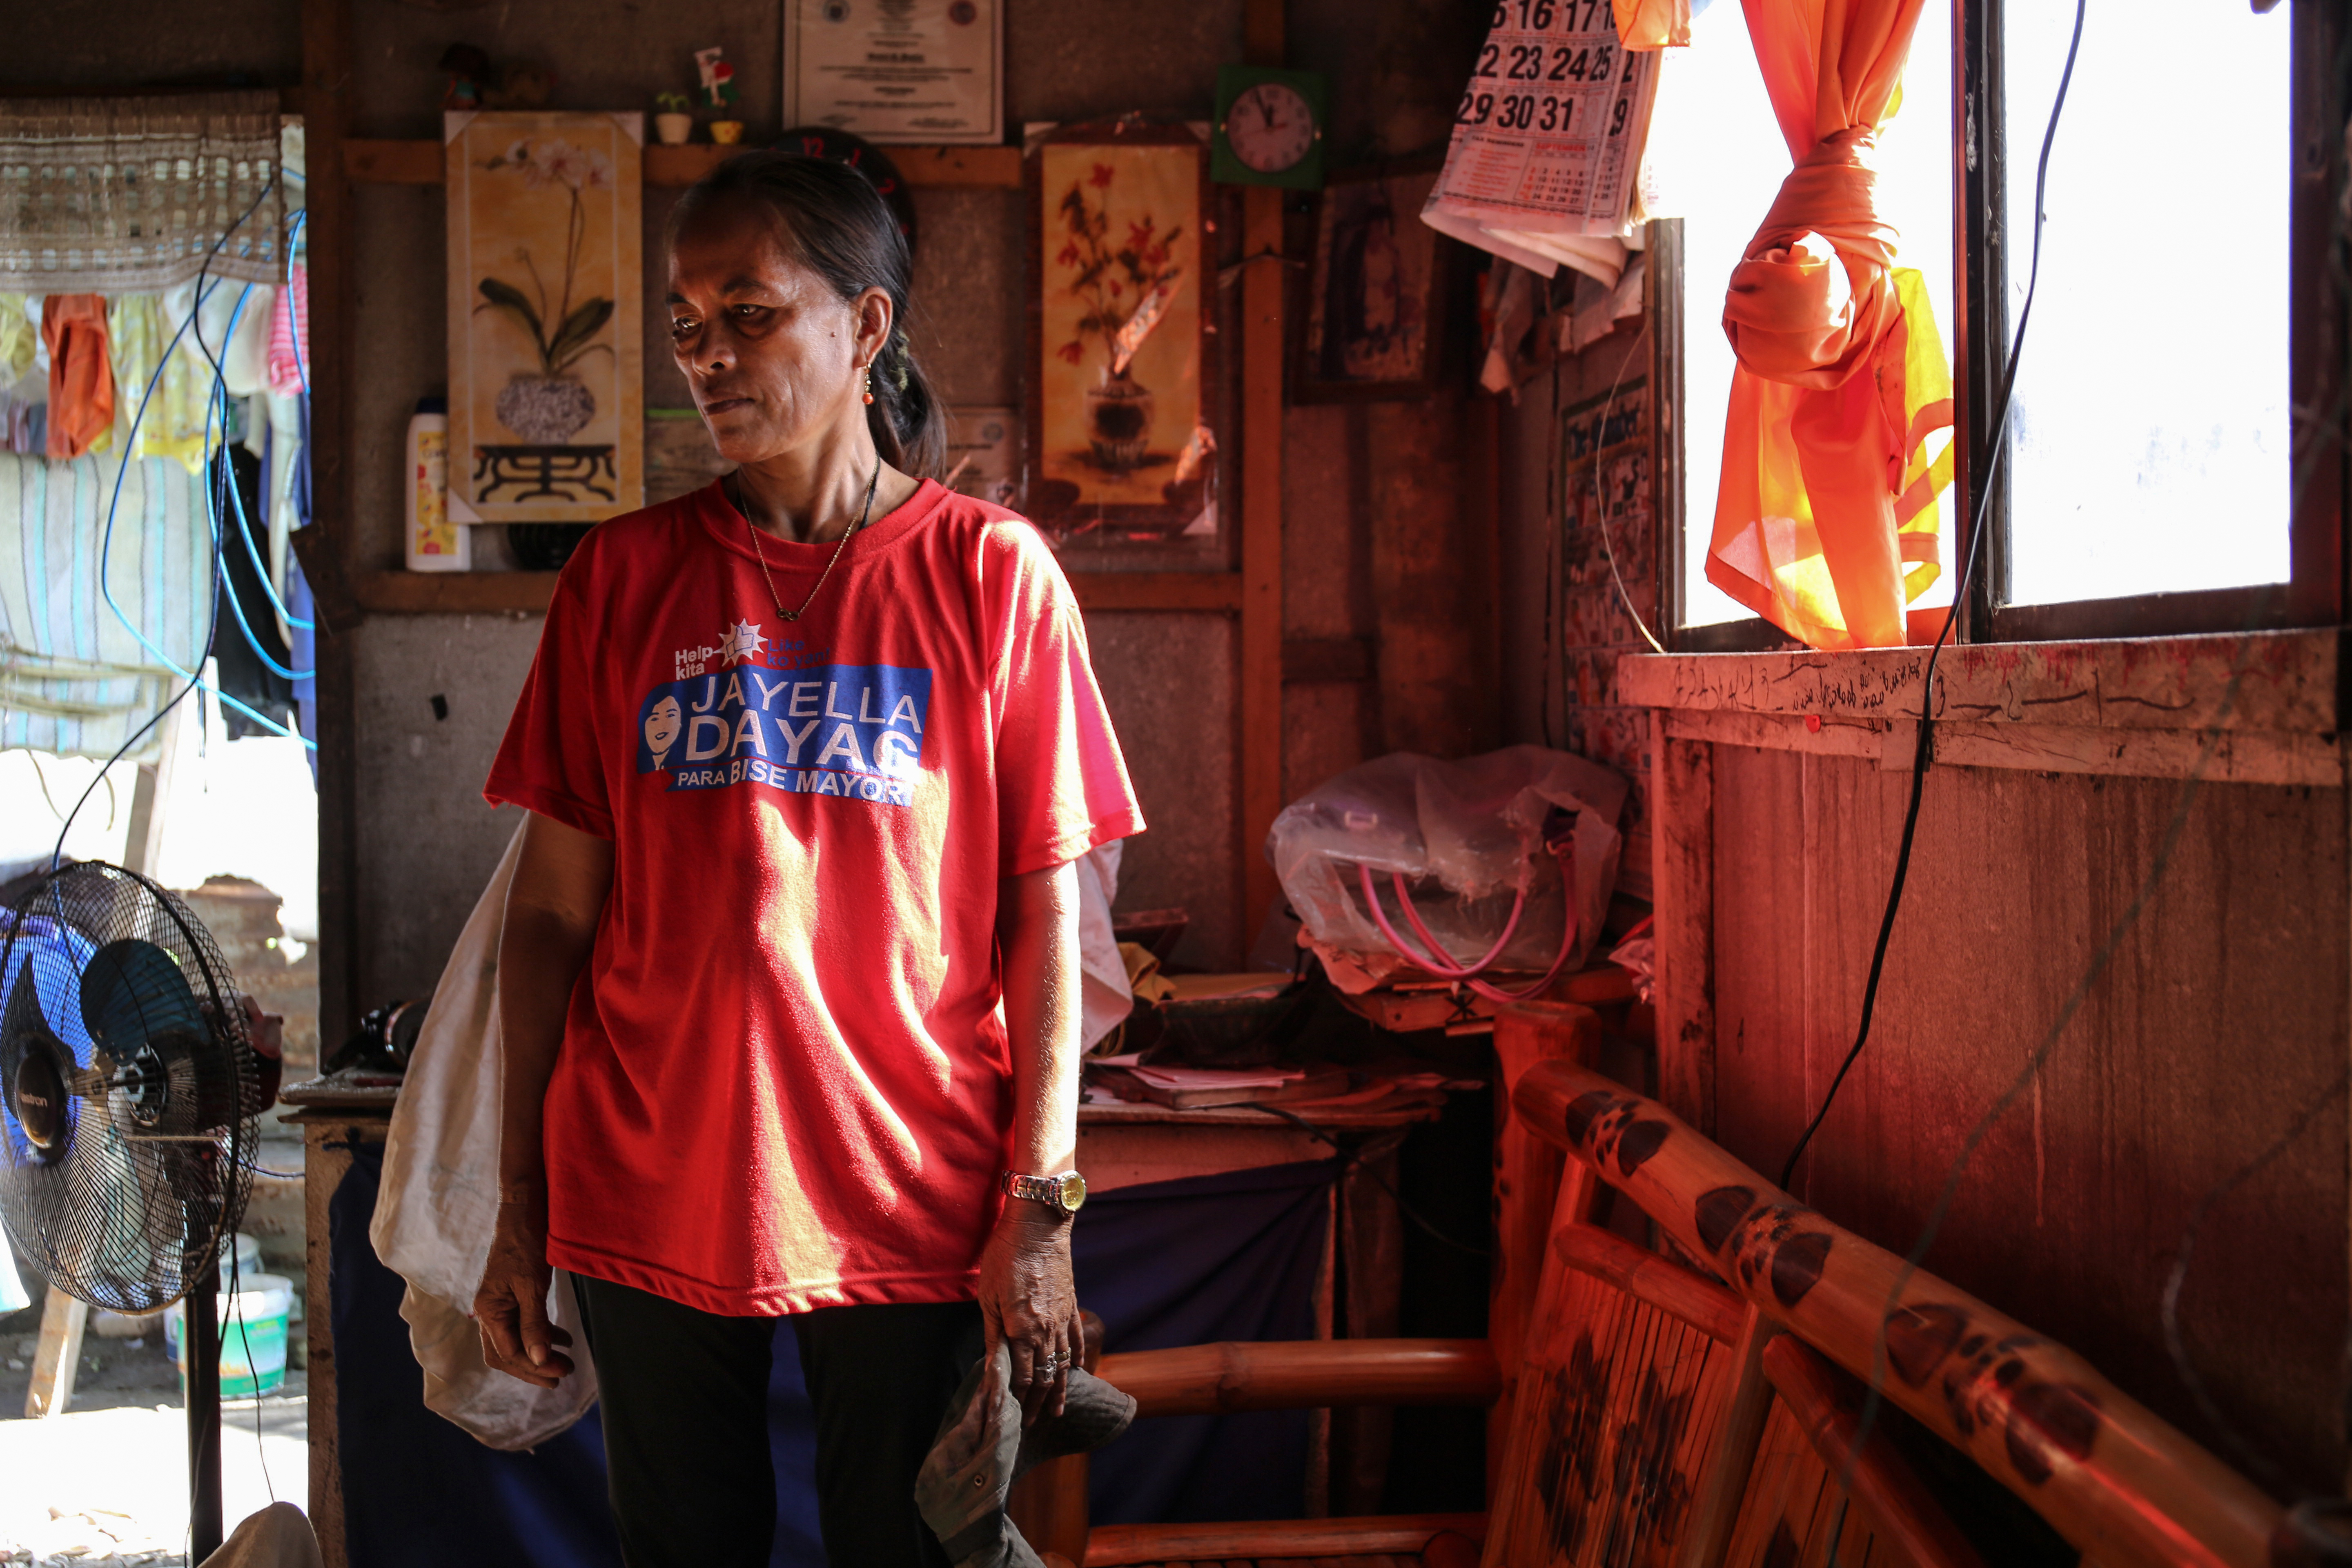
[(1468, 837)]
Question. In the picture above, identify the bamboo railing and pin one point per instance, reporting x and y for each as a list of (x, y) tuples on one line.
[(2105, 1472), (1304, 1374)]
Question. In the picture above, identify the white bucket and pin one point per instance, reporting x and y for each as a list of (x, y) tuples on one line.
[(253, 1347)]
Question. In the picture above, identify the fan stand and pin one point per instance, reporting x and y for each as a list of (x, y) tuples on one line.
[(200, 1333)]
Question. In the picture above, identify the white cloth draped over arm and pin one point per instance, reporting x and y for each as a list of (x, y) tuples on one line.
[(440, 1199)]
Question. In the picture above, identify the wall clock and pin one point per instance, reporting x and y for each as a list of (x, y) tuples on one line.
[(1269, 128)]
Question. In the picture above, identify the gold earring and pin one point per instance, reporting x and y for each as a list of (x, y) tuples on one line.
[(868, 370)]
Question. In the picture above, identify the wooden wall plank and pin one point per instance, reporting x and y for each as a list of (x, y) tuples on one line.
[(1682, 818), (984, 168), (326, 75), (488, 593), (2230, 756), (2287, 683), (2222, 1013), (1260, 709)]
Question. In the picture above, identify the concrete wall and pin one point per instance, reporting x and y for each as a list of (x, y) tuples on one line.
[(2222, 1014)]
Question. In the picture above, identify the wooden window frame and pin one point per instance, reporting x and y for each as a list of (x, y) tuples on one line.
[(2316, 593)]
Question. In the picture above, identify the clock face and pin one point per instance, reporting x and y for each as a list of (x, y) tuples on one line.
[(1270, 127)]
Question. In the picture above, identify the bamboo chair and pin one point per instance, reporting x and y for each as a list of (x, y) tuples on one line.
[(1664, 1419)]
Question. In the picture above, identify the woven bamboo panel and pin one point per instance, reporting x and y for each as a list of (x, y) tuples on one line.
[(1620, 1405), (1791, 1510)]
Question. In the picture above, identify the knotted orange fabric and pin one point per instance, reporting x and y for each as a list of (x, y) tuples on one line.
[(1826, 523), (82, 377)]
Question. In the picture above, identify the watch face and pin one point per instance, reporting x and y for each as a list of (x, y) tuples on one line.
[(1270, 127), (1074, 1191)]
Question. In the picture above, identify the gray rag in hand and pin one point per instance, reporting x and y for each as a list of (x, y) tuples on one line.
[(981, 1450)]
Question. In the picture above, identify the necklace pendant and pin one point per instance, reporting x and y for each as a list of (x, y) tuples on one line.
[(791, 614)]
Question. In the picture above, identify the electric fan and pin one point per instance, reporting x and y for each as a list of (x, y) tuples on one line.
[(129, 1088)]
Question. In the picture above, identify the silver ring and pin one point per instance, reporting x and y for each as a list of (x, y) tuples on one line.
[(1053, 1364)]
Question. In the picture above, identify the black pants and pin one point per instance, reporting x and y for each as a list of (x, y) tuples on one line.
[(685, 1399)]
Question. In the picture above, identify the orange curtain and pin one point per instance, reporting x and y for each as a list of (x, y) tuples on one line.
[(1652, 23), (1826, 523), (82, 377)]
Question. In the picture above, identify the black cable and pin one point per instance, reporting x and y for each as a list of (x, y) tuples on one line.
[(1923, 755), (1352, 1158)]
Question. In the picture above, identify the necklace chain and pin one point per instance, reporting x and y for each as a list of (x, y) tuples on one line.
[(863, 517)]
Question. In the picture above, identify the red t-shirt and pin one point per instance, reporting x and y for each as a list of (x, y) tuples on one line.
[(783, 1083)]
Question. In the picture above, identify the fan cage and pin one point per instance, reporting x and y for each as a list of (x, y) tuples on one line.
[(124, 1220)]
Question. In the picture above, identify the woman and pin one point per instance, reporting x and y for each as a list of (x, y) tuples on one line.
[(808, 755)]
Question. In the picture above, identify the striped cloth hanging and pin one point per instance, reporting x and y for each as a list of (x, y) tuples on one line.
[(73, 679)]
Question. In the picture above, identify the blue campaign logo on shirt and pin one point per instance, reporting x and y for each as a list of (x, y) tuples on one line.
[(850, 730)]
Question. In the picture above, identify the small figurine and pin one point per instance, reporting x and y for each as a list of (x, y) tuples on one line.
[(718, 76), (719, 87)]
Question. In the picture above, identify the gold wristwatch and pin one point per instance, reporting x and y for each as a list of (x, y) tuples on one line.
[(1064, 1193)]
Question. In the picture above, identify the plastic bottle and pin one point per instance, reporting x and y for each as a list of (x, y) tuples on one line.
[(434, 543)]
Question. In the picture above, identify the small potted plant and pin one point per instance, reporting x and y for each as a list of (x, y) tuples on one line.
[(719, 87), (673, 118)]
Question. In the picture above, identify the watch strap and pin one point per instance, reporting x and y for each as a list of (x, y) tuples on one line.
[(1047, 1190)]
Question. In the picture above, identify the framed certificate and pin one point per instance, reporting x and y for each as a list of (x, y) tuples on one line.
[(897, 70)]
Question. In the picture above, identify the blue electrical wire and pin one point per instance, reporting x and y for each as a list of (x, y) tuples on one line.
[(216, 403)]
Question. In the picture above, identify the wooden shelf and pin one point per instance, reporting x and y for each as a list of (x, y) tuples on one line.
[(455, 592), (421, 163), (495, 593)]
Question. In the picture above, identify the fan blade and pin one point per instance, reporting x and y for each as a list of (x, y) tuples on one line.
[(131, 991)]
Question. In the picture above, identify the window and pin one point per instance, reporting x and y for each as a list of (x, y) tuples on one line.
[(2147, 484), (2149, 476)]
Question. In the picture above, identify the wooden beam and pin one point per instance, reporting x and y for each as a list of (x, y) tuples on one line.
[(1260, 708), (2113, 1480), (57, 1357), (384, 163), (2286, 682), (527, 593), (1650, 1277), (1682, 836), (2233, 756), (1732, 1461), (1528, 1197), (1120, 1545), (1304, 1374)]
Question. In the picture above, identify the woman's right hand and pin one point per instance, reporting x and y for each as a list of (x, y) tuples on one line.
[(510, 1308)]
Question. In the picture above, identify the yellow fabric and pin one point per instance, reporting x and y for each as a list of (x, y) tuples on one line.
[(1652, 24), (138, 328), (19, 340), (1826, 521), (1143, 976)]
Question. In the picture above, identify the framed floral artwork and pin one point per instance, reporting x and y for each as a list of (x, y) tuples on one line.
[(1374, 292), (546, 341), (1120, 386)]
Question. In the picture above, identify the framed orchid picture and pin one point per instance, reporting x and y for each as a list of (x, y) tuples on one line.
[(1121, 387), (546, 343)]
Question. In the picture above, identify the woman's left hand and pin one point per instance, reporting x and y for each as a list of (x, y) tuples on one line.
[(1029, 1303)]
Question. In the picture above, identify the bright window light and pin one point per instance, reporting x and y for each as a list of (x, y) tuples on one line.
[(2149, 441)]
